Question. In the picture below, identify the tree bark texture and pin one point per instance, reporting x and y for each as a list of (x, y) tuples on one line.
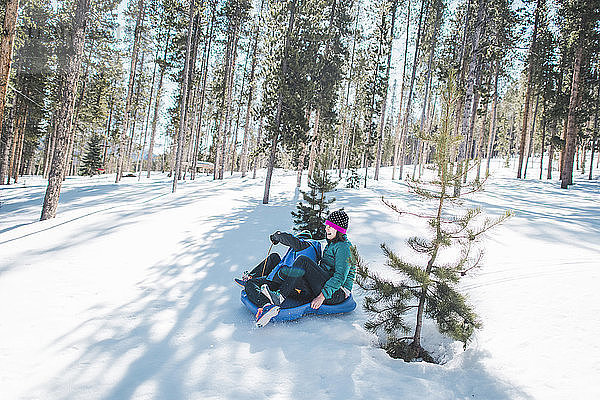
[(283, 72), (566, 176), (128, 103), (184, 98), (65, 109), (7, 38), (385, 92), (410, 89)]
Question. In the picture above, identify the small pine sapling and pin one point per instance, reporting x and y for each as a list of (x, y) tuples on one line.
[(92, 160), (353, 180), (311, 214), (430, 290)]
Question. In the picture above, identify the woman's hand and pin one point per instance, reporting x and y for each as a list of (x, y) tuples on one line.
[(317, 301)]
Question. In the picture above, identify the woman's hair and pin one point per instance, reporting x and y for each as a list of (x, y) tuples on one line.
[(339, 237)]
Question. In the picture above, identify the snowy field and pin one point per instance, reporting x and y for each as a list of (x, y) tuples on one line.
[(128, 294)]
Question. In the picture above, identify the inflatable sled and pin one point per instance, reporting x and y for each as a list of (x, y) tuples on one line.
[(293, 309)]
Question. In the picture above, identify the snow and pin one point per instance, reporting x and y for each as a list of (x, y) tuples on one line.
[(128, 294)]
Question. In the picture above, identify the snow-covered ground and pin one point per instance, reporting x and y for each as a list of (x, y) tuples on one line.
[(128, 293)]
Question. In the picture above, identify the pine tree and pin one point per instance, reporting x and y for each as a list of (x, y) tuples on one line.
[(311, 216), (92, 160), (430, 289)]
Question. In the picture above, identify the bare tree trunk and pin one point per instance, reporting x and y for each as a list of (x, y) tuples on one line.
[(19, 147), (385, 92), (184, 98), (206, 56), (8, 127), (132, 70), (228, 101), (531, 136), (398, 129), (479, 145), (252, 83), (543, 139), (277, 132), (7, 37), (65, 109), (594, 140), (528, 92), (313, 143), (469, 106), (257, 156), (492, 133), (410, 90), (159, 91), (566, 176), (427, 90), (305, 150)]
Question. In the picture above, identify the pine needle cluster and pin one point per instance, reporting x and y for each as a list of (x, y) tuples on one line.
[(430, 290)]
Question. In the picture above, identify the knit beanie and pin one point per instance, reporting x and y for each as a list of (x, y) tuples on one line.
[(338, 220)]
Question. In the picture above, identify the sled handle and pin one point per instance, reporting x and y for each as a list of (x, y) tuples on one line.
[(266, 258)]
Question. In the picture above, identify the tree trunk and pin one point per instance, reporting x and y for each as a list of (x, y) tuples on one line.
[(427, 90), (399, 119), (594, 140), (313, 143), (528, 92), (252, 83), (258, 138), (410, 90), (571, 134), (543, 138), (184, 98), (65, 109), (8, 127), (275, 140), (128, 103), (469, 106), (492, 133), (6, 47), (384, 105), (531, 136), (305, 150), (205, 59), (228, 101), (159, 91)]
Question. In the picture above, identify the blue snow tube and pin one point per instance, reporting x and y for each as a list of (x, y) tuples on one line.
[(292, 309)]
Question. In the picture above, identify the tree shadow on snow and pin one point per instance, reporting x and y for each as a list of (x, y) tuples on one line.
[(187, 335)]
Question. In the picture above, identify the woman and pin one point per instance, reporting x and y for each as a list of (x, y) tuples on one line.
[(330, 281)]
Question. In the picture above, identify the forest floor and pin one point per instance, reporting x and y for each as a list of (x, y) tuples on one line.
[(128, 294)]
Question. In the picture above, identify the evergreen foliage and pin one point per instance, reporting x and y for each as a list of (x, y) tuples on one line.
[(92, 160), (431, 289), (311, 215), (353, 180)]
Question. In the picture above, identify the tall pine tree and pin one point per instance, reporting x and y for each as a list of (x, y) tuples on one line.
[(92, 160)]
